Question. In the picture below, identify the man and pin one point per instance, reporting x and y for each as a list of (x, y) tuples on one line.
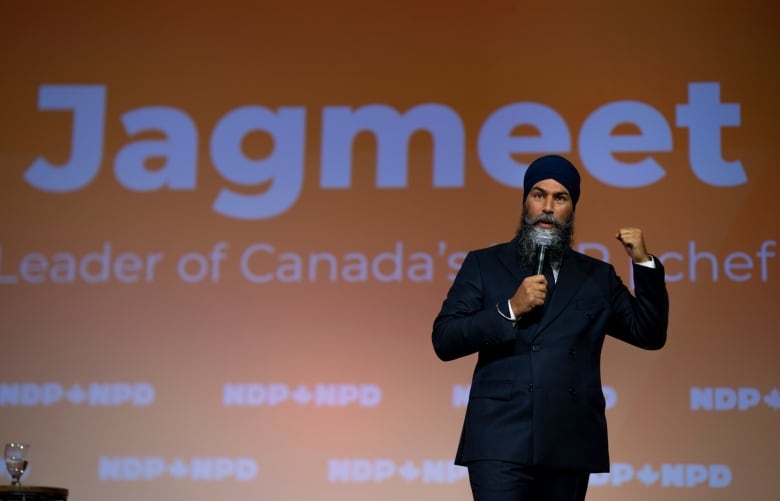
[(535, 426)]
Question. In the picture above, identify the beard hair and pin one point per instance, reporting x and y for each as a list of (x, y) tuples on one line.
[(562, 236)]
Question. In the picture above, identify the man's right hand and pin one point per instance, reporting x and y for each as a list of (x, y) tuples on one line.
[(531, 293)]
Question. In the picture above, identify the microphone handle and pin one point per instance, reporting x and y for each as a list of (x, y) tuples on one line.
[(540, 264)]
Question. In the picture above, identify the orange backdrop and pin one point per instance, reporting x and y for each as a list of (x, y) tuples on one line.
[(227, 227)]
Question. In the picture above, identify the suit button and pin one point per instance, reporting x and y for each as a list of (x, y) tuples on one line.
[(572, 390), (530, 387), (535, 347)]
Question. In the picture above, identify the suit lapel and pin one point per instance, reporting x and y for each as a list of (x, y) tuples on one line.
[(571, 276), (510, 260)]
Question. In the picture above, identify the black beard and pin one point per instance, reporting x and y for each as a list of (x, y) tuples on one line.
[(562, 237)]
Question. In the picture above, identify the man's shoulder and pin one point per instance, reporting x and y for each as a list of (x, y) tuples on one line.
[(586, 261), (586, 258)]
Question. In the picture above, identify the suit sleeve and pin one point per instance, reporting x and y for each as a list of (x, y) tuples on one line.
[(641, 320), (468, 320)]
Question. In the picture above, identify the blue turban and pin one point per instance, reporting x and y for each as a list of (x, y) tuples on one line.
[(553, 167)]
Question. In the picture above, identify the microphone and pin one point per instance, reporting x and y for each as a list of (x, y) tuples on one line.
[(542, 240)]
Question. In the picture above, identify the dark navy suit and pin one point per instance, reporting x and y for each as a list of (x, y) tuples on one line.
[(536, 396)]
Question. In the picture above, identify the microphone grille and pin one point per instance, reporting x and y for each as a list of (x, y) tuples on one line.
[(543, 239)]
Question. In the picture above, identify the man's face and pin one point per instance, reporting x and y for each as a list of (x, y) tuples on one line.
[(551, 198)]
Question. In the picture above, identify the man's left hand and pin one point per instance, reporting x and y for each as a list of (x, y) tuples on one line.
[(634, 244)]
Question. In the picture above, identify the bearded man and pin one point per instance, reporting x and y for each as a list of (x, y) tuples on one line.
[(535, 426)]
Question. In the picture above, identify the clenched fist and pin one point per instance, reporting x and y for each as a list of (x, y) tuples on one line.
[(634, 244)]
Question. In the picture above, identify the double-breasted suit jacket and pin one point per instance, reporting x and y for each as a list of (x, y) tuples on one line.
[(536, 394)]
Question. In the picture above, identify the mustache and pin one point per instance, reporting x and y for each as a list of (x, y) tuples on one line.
[(545, 218)]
